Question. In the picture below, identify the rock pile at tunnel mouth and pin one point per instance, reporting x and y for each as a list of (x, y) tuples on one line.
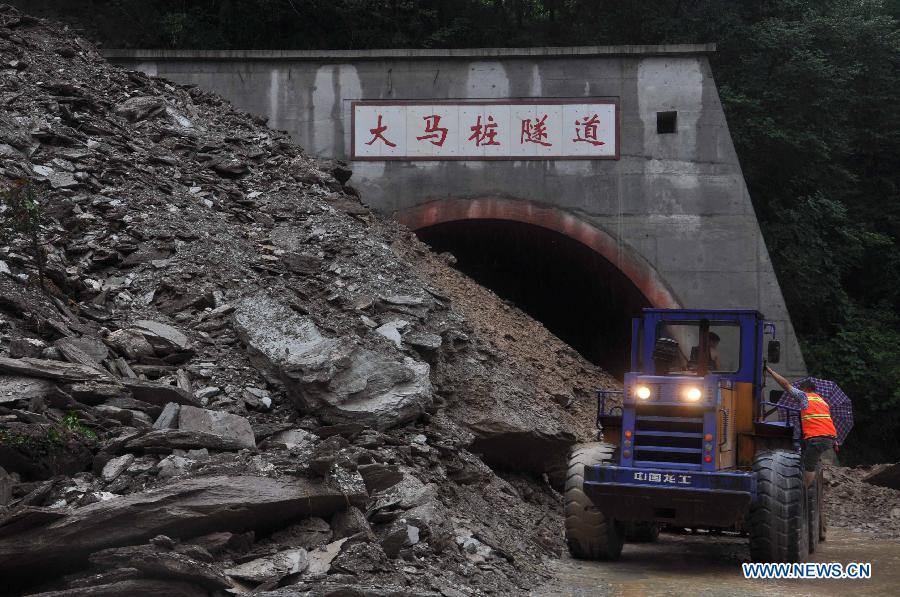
[(174, 224), (576, 293)]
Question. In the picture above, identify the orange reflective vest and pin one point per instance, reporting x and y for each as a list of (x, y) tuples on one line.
[(816, 417)]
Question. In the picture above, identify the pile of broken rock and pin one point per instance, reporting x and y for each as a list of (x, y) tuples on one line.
[(234, 378)]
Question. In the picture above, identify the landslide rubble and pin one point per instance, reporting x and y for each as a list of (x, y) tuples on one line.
[(236, 378), (853, 502)]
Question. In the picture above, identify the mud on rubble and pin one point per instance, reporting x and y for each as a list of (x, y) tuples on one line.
[(239, 378)]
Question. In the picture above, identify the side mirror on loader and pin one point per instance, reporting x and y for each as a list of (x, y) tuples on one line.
[(774, 351)]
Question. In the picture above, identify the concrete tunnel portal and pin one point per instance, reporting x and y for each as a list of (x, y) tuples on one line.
[(632, 195), (581, 283)]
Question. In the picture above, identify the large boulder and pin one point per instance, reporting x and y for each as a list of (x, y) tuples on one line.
[(15, 387), (168, 342), (166, 440), (161, 564), (182, 510), (271, 568), (53, 370), (336, 379), (231, 427), (504, 445), (887, 475)]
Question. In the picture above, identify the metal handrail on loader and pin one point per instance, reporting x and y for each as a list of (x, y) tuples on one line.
[(602, 397)]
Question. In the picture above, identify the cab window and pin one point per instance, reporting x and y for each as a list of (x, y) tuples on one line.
[(677, 348)]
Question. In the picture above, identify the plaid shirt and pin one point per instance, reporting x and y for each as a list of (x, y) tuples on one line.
[(800, 397)]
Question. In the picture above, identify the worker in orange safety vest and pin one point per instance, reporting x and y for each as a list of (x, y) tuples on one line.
[(819, 434)]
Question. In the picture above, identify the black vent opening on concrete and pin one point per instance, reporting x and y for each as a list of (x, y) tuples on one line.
[(666, 122)]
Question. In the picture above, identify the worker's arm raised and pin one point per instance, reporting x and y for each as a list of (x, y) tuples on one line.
[(784, 383)]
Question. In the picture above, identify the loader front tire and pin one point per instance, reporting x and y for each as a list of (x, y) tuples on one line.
[(779, 523), (589, 534)]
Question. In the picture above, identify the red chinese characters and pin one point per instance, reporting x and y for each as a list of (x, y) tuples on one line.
[(378, 133), (434, 133), (484, 134), (514, 129), (535, 131), (586, 130)]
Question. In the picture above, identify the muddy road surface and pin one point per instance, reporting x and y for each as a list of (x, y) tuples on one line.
[(702, 565)]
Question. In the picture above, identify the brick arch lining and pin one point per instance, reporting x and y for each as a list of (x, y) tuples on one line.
[(637, 269)]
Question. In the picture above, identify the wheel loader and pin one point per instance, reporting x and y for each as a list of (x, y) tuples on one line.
[(694, 444)]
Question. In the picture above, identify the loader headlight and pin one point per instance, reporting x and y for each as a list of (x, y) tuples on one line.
[(642, 392), (692, 394)]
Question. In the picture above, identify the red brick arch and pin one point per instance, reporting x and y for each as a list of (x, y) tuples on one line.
[(637, 269)]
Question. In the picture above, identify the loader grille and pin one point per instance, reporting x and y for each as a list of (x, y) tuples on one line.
[(668, 435)]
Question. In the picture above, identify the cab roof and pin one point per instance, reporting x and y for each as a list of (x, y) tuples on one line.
[(701, 312)]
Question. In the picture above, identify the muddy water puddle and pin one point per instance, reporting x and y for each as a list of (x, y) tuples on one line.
[(704, 565)]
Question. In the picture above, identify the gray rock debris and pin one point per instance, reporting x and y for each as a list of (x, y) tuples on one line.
[(351, 522), (6, 484), (163, 440), (171, 566), (115, 467), (26, 347), (320, 559), (391, 331), (308, 534), (194, 507), (396, 536), (294, 438), (168, 418), (131, 343), (271, 568), (141, 108), (163, 337), (14, 387), (230, 427), (340, 381), (173, 466)]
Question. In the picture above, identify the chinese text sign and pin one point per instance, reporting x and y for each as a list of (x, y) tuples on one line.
[(512, 130)]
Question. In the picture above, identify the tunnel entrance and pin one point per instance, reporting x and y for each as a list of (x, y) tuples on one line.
[(576, 293)]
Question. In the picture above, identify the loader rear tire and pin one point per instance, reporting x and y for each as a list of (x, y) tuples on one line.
[(779, 523), (641, 532), (589, 534)]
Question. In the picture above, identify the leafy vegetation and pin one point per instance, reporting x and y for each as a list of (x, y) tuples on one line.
[(55, 436), (809, 87), (74, 424), (20, 213)]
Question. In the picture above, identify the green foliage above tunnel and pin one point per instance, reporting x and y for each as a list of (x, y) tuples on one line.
[(809, 87)]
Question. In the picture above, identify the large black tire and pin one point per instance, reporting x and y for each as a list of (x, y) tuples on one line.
[(641, 532), (779, 525), (589, 534)]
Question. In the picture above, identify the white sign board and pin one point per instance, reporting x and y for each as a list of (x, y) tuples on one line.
[(489, 130)]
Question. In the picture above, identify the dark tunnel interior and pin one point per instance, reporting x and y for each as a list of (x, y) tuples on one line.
[(576, 293)]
